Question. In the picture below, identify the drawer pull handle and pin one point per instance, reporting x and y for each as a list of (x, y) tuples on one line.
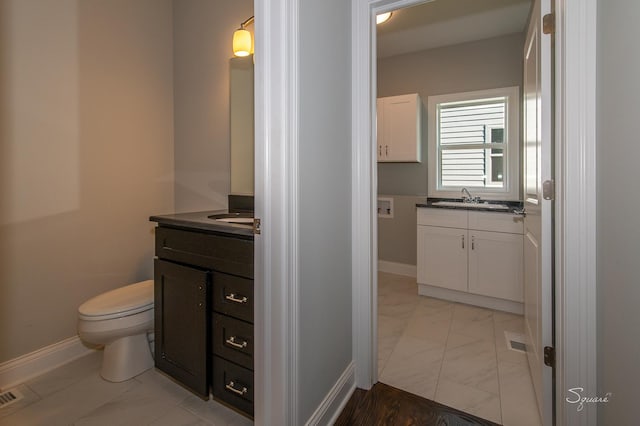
[(232, 387), (233, 298), (232, 341)]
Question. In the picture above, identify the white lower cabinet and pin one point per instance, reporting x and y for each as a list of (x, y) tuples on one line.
[(443, 257), (495, 265), (475, 252)]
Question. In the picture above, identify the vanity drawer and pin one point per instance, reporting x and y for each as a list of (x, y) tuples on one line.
[(233, 296), (211, 251), (233, 384), (447, 218), (233, 340), (496, 222)]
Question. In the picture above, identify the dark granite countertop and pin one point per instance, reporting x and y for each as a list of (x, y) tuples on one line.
[(201, 221), (511, 205)]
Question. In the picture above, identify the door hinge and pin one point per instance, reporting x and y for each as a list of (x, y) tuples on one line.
[(549, 189), (550, 356), (549, 23), (256, 226)]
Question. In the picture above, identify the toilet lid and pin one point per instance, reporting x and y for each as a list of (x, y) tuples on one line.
[(127, 300)]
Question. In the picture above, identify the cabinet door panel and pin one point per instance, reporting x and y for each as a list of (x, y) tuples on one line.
[(401, 128), (442, 257), (495, 265), (181, 324), (379, 138)]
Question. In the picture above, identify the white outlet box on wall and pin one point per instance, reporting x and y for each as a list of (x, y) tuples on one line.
[(385, 207)]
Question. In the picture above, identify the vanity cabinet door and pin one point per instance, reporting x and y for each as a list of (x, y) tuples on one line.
[(495, 264), (442, 257), (182, 325)]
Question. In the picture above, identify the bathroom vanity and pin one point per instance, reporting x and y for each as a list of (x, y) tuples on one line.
[(471, 253), (204, 306)]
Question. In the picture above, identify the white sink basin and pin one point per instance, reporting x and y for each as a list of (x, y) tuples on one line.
[(471, 205), (248, 220)]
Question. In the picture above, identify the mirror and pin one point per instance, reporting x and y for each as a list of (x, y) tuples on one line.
[(241, 122)]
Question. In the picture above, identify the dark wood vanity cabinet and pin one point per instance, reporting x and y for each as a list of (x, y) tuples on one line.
[(204, 313)]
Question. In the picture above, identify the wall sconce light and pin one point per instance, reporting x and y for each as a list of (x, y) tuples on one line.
[(242, 39)]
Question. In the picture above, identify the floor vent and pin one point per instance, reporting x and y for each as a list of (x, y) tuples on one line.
[(9, 397), (515, 341)]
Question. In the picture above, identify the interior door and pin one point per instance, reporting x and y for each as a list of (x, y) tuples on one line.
[(538, 225)]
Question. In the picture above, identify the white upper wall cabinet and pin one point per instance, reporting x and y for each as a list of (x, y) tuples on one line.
[(399, 128)]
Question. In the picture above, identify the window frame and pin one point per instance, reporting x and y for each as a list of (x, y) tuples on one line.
[(511, 153)]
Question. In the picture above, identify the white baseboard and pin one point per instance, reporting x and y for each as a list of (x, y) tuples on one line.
[(471, 299), (398, 268), (21, 369), (335, 401)]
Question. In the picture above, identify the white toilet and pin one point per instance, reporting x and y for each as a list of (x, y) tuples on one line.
[(120, 320)]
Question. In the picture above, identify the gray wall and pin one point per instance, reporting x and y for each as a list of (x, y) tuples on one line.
[(325, 198), (397, 236), (618, 233), (479, 65), (203, 31), (86, 155)]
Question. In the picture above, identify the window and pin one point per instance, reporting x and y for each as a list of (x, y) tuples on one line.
[(474, 143)]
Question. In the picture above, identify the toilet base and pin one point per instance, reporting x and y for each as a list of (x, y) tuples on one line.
[(126, 358)]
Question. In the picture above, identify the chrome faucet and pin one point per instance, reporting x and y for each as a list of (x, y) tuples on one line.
[(468, 198)]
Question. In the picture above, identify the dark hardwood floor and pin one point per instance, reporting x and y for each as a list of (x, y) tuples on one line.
[(388, 406)]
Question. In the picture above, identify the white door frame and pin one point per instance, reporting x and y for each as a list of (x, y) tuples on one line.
[(575, 216), (276, 204)]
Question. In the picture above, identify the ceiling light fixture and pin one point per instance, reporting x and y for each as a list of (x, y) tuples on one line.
[(242, 39), (383, 17)]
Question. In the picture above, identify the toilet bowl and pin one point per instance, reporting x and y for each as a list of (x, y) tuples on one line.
[(120, 320)]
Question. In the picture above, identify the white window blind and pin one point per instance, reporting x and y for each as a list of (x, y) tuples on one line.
[(474, 142), (471, 148)]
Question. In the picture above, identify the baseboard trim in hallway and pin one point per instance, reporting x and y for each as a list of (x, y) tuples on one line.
[(386, 405), (335, 400), (21, 369), (398, 268)]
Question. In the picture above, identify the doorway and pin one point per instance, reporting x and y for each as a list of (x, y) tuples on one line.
[(575, 274), (454, 353)]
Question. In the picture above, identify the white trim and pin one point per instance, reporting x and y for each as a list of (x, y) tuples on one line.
[(276, 203), (471, 299), (363, 187), (26, 367), (575, 209), (398, 268), (512, 147), (332, 405), (575, 291)]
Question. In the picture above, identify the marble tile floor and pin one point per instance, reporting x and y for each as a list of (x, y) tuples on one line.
[(74, 394), (453, 354)]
